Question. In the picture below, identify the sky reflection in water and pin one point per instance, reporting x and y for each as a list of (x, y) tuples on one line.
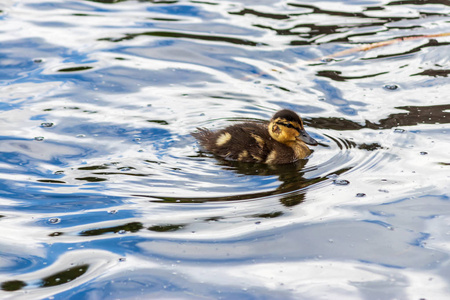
[(104, 193)]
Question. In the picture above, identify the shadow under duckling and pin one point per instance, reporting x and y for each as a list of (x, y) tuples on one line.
[(282, 140)]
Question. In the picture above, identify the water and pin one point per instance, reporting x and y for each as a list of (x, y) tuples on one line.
[(105, 195)]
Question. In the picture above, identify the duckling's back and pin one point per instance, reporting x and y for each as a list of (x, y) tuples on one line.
[(247, 142)]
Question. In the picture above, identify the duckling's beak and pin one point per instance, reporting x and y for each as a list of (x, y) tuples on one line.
[(304, 136)]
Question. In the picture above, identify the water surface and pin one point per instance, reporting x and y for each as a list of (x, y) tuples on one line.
[(106, 195)]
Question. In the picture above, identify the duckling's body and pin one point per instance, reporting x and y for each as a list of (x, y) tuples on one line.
[(280, 141)]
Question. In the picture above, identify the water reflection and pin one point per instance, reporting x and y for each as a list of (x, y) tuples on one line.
[(129, 227), (437, 114), (103, 191)]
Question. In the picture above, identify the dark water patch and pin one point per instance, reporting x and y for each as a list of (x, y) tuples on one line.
[(336, 75), (92, 179), (51, 181), (271, 215), (95, 167), (56, 279), (161, 122), (129, 227), (65, 276), (166, 227), (214, 219), (165, 19), (168, 34), (75, 69), (433, 73), (437, 114), (120, 173), (13, 285), (370, 147)]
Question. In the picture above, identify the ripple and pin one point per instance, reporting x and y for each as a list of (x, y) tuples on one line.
[(114, 197)]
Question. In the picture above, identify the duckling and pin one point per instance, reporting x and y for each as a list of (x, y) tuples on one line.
[(282, 140)]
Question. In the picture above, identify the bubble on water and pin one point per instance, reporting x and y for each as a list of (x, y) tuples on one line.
[(391, 87), (39, 138), (332, 176), (47, 124), (423, 153), (56, 234), (327, 59), (360, 195), (54, 220), (341, 182), (112, 211), (330, 241), (399, 130)]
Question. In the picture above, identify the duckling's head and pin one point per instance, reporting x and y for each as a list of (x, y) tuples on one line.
[(286, 127)]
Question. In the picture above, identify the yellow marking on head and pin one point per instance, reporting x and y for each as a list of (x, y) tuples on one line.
[(223, 139), (243, 155), (258, 139), (282, 133), (271, 157)]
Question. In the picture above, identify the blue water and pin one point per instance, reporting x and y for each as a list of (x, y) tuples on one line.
[(104, 194)]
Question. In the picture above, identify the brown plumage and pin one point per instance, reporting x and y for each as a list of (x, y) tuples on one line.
[(280, 141)]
